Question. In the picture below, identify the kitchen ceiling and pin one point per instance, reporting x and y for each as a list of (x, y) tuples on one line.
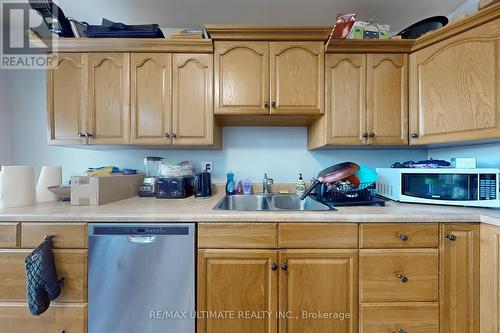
[(182, 13)]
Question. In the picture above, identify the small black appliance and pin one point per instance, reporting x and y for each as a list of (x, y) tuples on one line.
[(203, 184), (175, 188)]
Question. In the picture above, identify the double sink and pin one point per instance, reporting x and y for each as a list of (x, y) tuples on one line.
[(269, 202)]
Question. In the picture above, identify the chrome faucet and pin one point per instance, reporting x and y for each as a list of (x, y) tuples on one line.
[(266, 183)]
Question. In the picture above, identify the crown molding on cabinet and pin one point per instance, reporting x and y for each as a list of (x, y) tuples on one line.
[(267, 32), (133, 45), (370, 46)]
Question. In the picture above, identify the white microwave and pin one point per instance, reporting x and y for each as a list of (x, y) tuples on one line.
[(443, 186)]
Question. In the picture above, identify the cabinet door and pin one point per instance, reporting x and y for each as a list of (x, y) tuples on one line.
[(454, 88), (490, 279), (297, 78), (319, 282), (241, 78), (387, 99), (151, 77), (236, 281), (192, 106), (345, 99), (459, 285), (67, 318), (66, 99), (109, 109)]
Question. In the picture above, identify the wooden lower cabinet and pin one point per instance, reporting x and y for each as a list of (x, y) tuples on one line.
[(459, 284), (238, 284), (72, 264), (67, 318), (490, 279), (399, 318), (319, 291)]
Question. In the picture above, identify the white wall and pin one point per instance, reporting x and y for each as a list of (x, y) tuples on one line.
[(281, 152), (469, 7), (5, 121), (488, 155)]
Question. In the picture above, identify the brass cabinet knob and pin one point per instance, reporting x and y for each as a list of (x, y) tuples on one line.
[(401, 330), (403, 237), (403, 278), (167, 136), (274, 267), (414, 135), (451, 237), (372, 135), (174, 136), (89, 135), (266, 105), (273, 105), (284, 266), (81, 135), (365, 135)]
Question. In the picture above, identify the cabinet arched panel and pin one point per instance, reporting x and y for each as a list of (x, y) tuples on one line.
[(297, 73), (192, 106), (241, 77), (109, 98), (151, 98), (345, 98), (67, 114), (387, 98), (454, 88)]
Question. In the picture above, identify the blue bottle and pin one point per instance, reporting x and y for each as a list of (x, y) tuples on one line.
[(230, 184)]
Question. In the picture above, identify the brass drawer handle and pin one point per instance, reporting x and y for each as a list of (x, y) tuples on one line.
[(451, 237), (403, 237), (403, 278)]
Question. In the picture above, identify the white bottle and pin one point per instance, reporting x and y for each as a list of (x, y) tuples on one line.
[(300, 187)]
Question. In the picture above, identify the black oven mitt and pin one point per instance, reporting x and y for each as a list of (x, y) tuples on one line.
[(42, 282)]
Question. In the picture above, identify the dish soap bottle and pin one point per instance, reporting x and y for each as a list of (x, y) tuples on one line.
[(230, 184), (300, 187)]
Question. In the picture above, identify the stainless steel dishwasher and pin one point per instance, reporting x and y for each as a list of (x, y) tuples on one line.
[(141, 278)]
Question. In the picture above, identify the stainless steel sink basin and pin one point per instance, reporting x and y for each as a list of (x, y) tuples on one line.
[(243, 202), (293, 202), (271, 202)]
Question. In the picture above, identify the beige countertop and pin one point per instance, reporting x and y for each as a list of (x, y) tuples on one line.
[(201, 210)]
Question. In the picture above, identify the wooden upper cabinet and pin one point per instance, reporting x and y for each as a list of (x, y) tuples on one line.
[(459, 285), (454, 88), (237, 280), (151, 76), (345, 99), (109, 90), (297, 77), (319, 280), (387, 99), (192, 105), (66, 99), (241, 78)]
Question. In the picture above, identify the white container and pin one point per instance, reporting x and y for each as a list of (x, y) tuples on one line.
[(49, 176), (17, 186), (463, 162)]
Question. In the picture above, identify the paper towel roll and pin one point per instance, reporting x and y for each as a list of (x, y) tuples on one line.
[(17, 186), (49, 176)]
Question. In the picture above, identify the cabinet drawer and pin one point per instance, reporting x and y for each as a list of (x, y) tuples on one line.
[(67, 235), (237, 235), (398, 235), (9, 234), (383, 272), (67, 318), (72, 264), (399, 317), (318, 235)]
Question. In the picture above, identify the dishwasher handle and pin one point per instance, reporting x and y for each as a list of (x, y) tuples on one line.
[(141, 239)]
